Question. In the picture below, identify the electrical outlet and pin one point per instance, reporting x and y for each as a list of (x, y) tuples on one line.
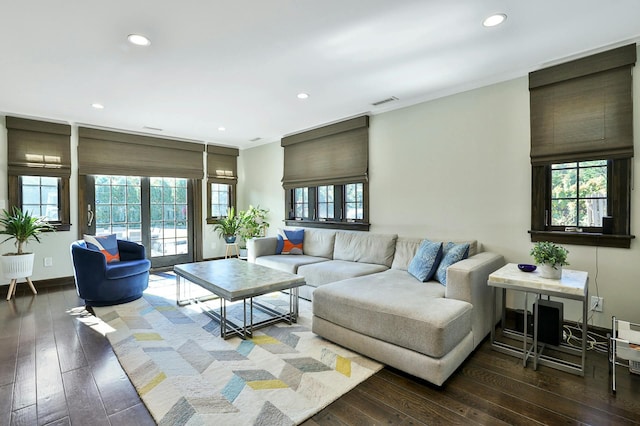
[(48, 261), (596, 303)]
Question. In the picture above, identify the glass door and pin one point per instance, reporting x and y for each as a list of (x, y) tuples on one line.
[(153, 211)]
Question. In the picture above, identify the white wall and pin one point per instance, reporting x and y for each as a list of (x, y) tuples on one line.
[(459, 168)]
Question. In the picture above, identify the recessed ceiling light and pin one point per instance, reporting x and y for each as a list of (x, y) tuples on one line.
[(97, 106), (494, 20), (138, 40), (221, 129), (303, 95)]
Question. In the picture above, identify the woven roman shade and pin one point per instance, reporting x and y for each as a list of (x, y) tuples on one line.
[(331, 155), (115, 153), (583, 109), (222, 164), (38, 148)]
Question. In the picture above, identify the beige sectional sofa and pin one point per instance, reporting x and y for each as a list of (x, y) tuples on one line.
[(364, 298)]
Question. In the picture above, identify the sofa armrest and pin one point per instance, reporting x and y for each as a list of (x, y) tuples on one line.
[(467, 281), (261, 246)]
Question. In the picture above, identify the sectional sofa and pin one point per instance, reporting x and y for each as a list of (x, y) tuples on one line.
[(365, 299)]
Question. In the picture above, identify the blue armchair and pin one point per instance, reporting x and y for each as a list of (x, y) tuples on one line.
[(102, 284)]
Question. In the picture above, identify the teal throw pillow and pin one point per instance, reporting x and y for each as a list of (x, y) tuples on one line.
[(425, 262), (451, 253)]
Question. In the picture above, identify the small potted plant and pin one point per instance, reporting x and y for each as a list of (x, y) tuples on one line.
[(551, 258), (252, 224), (21, 227), (228, 226)]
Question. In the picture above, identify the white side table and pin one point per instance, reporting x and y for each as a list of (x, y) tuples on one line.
[(572, 285)]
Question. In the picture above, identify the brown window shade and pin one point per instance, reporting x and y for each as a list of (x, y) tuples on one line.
[(222, 164), (583, 109), (114, 153), (330, 155), (38, 148)]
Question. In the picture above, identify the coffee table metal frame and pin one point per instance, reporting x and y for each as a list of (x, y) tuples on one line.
[(232, 280)]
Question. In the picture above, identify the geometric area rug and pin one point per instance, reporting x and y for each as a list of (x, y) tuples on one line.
[(187, 375)]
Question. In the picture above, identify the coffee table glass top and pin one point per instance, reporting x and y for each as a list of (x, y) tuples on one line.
[(235, 279)]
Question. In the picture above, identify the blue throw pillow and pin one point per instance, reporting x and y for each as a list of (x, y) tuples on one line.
[(425, 262), (279, 244), (105, 244), (451, 253)]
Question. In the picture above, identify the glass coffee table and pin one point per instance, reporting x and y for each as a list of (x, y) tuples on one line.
[(233, 280)]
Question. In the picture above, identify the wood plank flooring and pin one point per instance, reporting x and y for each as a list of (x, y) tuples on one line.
[(55, 370)]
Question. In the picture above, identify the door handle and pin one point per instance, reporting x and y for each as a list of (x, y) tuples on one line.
[(89, 215)]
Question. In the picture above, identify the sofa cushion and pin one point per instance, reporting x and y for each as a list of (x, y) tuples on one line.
[(117, 270), (451, 253), (287, 263), (335, 270), (365, 247), (392, 306), (426, 261), (406, 249), (319, 242)]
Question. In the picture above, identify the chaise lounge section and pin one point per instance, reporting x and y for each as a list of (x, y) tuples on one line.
[(364, 298)]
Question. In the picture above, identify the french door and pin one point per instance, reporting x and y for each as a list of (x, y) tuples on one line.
[(154, 211)]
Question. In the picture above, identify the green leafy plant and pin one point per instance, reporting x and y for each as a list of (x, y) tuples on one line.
[(549, 253), (253, 223), (228, 226), (22, 227)]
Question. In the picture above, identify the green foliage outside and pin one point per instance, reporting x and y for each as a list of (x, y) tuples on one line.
[(577, 190)]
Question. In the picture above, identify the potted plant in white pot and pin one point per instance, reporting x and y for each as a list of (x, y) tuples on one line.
[(550, 258), (21, 227), (252, 224)]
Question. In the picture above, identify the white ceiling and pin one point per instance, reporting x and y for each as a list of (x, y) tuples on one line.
[(239, 64)]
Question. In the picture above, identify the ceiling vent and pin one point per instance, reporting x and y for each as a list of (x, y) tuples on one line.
[(152, 128), (254, 139), (384, 101)]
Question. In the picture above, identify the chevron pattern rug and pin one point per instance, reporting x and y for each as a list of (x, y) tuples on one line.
[(186, 374)]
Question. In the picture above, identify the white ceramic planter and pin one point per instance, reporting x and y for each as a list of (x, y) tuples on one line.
[(548, 271), (17, 266)]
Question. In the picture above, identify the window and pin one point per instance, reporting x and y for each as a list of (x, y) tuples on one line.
[(301, 203), (39, 168), (326, 204), (579, 194), (331, 206), (222, 176), (353, 201), (325, 176), (40, 196), (220, 196), (582, 150)]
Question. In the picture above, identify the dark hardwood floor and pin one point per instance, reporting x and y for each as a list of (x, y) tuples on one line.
[(56, 370)]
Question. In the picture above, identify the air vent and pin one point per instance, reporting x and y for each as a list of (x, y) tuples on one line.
[(152, 128), (384, 101), (254, 139)]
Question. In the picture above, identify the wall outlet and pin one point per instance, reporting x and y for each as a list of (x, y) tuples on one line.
[(596, 303), (48, 261)]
